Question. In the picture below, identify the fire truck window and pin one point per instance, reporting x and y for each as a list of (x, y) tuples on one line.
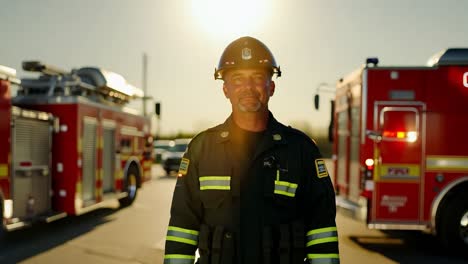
[(399, 125), (126, 144), (400, 121), (402, 95)]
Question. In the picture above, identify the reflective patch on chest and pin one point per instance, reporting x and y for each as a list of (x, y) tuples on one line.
[(321, 168), (183, 168)]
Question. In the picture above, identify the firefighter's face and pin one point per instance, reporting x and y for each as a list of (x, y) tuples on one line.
[(249, 90)]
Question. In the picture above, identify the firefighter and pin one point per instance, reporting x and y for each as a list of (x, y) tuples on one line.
[(252, 190)]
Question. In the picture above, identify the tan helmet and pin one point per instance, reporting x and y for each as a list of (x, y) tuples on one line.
[(246, 52)]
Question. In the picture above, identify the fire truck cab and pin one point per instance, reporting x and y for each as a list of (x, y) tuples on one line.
[(69, 143), (401, 146)]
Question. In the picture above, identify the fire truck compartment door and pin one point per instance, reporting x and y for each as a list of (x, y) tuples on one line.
[(31, 181), (89, 160), (108, 160), (398, 157)]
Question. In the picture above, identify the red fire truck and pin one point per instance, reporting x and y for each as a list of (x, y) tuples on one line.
[(68, 143), (401, 146)]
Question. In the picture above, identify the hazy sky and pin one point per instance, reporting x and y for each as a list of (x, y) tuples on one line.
[(313, 42)]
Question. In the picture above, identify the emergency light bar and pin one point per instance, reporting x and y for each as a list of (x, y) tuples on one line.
[(109, 82), (452, 56), (94, 83), (37, 66), (7, 73), (409, 136)]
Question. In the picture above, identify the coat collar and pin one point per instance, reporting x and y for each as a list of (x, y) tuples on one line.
[(275, 132)]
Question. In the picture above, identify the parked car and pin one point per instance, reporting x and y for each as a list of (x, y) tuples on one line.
[(160, 147), (173, 155)]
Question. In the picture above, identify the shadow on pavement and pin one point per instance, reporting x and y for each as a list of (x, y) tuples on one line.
[(25, 243), (171, 176), (410, 247)]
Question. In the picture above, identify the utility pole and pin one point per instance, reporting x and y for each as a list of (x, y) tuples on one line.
[(144, 82)]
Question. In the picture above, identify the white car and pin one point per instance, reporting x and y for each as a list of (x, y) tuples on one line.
[(173, 155), (160, 148)]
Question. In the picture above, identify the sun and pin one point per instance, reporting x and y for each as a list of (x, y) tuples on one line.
[(230, 17)]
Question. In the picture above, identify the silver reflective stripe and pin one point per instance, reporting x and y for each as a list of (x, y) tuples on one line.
[(447, 163), (179, 259), (323, 258), (182, 235), (322, 235), (322, 261), (215, 183), (285, 188)]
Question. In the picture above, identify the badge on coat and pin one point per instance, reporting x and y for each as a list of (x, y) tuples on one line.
[(183, 168), (321, 168)]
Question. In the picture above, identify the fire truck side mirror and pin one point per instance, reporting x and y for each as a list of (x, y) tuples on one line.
[(332, 121), (374, 135), (316, 101), (157, 109)]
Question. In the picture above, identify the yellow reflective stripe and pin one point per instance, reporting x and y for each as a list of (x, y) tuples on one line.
[(316, 256), (448, 163), (215, 183), (215, 188), (321, 230), (3, 170), (179, 256), (178, 259), (285, 188), (322, 235), (182, 235), (212, 178), (188, 231), (322, 240), (181, 240), (288, 184)]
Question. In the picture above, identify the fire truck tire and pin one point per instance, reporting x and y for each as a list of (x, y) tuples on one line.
[(2, 229), (131, 187), (453, 226)]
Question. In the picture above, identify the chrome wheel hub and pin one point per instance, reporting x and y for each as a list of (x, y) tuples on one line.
[(464, 227)]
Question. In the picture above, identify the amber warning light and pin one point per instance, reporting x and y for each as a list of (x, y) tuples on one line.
[(409, 136)]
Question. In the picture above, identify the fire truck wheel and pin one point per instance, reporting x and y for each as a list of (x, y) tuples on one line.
[(453, 227), (131, 187), (2, 230)]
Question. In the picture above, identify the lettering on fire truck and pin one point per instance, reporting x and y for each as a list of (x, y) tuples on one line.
[(393, 202)]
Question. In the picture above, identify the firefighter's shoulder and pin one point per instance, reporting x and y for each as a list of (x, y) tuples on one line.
[(313, 150), (197, 141), (303, 138)]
